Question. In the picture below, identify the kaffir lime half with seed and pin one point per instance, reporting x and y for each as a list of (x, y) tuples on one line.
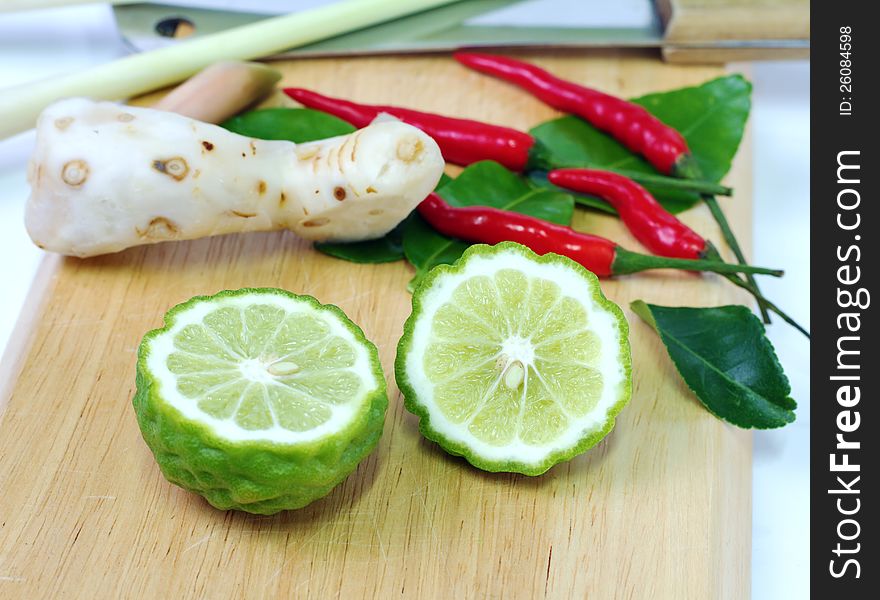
[(258, 399), (514, 361)]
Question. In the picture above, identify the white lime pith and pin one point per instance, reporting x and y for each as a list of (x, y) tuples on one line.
[(515, 361), (259, 399), (298, 378)]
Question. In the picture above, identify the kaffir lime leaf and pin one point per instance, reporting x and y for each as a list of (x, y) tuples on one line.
[(258, 399), (514, 361)]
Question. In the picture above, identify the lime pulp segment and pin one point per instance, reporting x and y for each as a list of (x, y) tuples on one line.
[(262, 368), (512, 360), (258, 399)]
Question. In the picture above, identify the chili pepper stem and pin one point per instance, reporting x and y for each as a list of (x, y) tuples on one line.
[(541, 159), (687, 168), (626, 262), (672, 183), (735, 280), (730, 238)]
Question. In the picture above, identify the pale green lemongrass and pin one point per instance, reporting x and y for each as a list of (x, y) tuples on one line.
[(22, 5), (140, 73)]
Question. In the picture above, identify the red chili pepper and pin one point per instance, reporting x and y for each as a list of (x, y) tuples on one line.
[(597, 254), (631, 124), (657, 229), (462, 141)]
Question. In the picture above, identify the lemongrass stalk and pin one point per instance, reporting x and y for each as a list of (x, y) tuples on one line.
[(23, 5), (140, 73)]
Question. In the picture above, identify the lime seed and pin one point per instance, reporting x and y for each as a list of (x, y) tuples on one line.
[(513, 378), (279, 369)]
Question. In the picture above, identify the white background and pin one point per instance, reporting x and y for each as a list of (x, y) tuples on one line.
[(43, 43)]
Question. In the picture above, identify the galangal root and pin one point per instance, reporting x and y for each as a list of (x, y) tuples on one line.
[(105, 177)]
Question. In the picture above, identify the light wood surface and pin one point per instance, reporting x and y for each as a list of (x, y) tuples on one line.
[(660, 509)]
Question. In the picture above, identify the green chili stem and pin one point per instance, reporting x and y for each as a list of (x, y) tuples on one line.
[(689, 169), (541, 159), (626, 262), (691, 185), (730, 238), (735, 280)]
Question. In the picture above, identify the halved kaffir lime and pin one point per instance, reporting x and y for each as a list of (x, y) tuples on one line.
[(513, 360), (259, 399)]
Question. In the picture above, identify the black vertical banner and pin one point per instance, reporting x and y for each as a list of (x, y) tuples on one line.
[(845, 48)]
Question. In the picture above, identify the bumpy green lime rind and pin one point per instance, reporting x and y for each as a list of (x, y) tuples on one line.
[(259, 477), (416, 405)]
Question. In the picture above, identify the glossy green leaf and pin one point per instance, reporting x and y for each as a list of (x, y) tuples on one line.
[(424, 248), (725, 358), (485, 183), (291, 124), (382, 250), (711, 117)]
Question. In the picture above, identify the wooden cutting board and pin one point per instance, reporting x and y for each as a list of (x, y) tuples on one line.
[(660, 509)]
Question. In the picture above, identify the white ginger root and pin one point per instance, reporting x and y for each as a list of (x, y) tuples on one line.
[(105, 177)]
